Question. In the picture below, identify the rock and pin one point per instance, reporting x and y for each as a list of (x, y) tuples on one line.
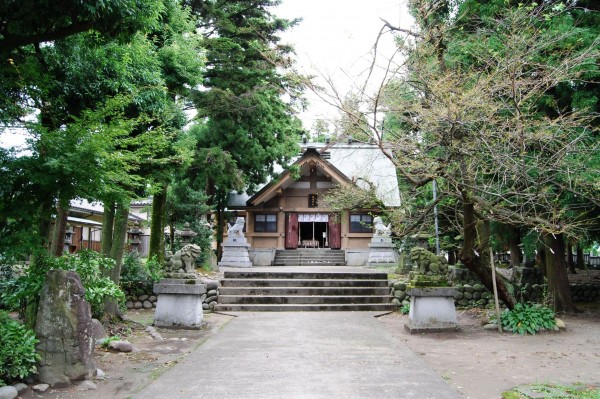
[(400, 294), (405, 303), (491, 327), (486, 295), (147, 305), (98, 330), (463, 302), (468, 288), (153, 333), (64, 329), (120, 346), (86, 385), (477, 295), (560, 323), (20, 387), (212, 305), (211, 284), (459, 295), (153, 304), (211, 293), (129, 305), (137, 305), (396, 302), (152, 298), (211, 299), (142, 298), (100, 374), (8, 392), (478, 288), (400, 286), (468, 295), (40, 387)]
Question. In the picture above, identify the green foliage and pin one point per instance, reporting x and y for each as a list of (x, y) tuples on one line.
[(18, 355), (88, 265), (405, 309), (108, 340), (527, 318), (139, 275), (576, 391)]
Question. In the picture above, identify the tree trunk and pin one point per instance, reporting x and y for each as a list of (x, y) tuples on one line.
[(107, 227), (157, 227), (473, 261), (556, 273), (515, 250), (570, 260), (45, 213), (111, 307), (60, 227), (580, 258)]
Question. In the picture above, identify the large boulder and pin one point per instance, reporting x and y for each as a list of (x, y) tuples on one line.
[(64, 329)]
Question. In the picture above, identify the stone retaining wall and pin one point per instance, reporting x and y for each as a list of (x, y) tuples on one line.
[(146, 299), (476, 295)]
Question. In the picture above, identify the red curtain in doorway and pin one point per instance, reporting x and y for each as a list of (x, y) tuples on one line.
[(291, 230), (335, 231)]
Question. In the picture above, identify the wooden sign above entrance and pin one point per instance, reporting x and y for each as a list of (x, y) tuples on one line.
[(313, 217)]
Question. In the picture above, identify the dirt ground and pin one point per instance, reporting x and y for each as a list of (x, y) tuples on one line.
[(482, 364), (127, 373)]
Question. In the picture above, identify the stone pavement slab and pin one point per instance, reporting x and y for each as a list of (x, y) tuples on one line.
[(301, 355)]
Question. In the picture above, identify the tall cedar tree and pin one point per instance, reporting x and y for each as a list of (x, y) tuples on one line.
[(244, 125)]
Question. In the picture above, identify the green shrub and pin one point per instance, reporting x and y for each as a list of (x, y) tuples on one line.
[(18, 356), (527, 318), (405, 309), (88, 264), (98, 287), (139, 275)]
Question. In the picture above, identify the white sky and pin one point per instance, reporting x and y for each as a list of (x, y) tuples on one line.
[(335, 39)]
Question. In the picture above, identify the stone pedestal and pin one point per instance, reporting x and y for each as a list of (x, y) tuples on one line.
[(431, 310), (179, 303), (235, 252), (382, 251)]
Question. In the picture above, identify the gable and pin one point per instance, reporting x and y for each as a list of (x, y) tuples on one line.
[(309, 163)]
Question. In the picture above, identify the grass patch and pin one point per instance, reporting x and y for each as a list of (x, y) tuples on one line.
[(575, 391)]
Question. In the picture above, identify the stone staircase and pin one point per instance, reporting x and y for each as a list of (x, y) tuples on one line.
[(283, 291), (309, 257)]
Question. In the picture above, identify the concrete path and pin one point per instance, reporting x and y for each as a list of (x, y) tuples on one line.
[(301, 355)]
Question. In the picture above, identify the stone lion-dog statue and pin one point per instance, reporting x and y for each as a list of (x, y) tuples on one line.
[(380, 228), (183, 261), (236, 229)]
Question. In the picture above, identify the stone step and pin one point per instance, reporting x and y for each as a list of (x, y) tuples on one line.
[(247, 274), (302, 299), (383, 307), (276, 282), (309, 263), (309, 290)]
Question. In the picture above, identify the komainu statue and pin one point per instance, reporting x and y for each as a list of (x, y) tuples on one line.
[(427, 262), (183, 261), (380, 228), (237, 229)]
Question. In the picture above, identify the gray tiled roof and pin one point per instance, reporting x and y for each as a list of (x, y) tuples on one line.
[(357, 161)]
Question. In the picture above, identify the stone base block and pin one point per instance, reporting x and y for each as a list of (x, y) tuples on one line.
[(179, 311), (179, 303), (235, 255), (382, 251), (432, 310)]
